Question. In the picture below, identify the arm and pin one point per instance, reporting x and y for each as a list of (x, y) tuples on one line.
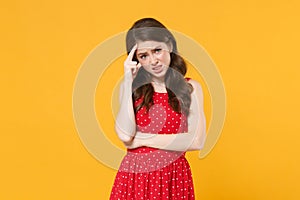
[(125, 122), (192, 140)]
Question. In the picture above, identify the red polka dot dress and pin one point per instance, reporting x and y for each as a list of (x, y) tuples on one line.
[(152, 174)]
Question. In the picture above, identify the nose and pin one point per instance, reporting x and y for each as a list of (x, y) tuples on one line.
[(153, 59)]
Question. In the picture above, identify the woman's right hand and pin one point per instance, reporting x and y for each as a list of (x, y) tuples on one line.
[(131, 67)]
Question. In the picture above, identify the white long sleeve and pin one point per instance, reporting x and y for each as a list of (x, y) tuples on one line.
[(125, 125), (192, 140)]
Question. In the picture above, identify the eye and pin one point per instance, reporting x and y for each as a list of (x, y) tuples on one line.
[(142, 57), (158, 50)]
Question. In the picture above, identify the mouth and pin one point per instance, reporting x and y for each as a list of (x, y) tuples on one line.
[(158, 69)]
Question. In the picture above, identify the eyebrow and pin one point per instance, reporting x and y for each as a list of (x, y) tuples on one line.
[(157, 47)]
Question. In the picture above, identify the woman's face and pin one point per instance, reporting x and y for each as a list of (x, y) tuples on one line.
[(154, 57)]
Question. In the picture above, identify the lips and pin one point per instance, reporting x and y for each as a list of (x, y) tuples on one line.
[(158, 69)]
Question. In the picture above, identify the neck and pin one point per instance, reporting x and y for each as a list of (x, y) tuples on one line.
[(158, 80), (159, 85)]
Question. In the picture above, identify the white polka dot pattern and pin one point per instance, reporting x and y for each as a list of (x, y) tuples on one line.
[(161, 118), (148, 173)]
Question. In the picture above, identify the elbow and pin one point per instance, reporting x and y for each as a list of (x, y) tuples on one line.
[(196, 146), (124, 137), (198, 143), (201, 141), (200, 146)]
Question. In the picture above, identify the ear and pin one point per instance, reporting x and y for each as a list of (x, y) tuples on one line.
[(170, 45)]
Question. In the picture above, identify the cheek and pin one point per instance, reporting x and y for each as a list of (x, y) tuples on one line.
[(165, 58), (147, 68)]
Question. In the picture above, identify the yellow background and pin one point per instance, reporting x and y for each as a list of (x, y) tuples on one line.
[(255, 45)]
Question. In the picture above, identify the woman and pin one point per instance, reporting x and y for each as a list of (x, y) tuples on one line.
[(161, 116)]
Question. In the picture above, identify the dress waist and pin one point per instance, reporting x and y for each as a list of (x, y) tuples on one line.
[(146, 159), (148, 150)]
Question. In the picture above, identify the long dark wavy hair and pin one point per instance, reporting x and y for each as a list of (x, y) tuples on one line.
[(178, 89)]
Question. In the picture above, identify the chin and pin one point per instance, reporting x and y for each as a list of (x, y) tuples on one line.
[(159, 75)]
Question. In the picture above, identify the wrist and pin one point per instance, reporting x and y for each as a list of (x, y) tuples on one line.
[(128, 76), (127, 82)]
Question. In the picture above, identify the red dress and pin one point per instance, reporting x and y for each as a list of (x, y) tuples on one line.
[(148, 173)]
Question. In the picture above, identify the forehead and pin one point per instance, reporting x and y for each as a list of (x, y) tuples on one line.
[(146, 45)]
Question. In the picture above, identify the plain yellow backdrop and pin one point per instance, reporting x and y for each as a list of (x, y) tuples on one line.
[(255, 45)]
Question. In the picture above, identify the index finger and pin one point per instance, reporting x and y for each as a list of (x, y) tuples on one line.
[(130, 55)]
